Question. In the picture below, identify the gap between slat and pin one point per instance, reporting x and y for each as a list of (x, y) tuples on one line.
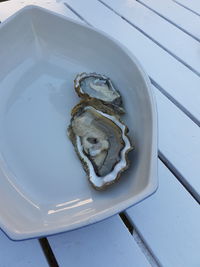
[(77, 14), (145, 249), (152, 39), (138, 239), (48, 252), (194, 12), (168, 20), (179, 177), (126, 222), (175, 102)]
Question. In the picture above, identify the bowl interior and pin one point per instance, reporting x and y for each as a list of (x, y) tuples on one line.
[(41, 178)]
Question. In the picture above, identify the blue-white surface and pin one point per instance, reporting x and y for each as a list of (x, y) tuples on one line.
[(165, 40)]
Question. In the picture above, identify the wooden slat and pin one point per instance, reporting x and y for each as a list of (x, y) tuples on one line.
[(193, 5), (179, 143), (177, 15), (20, 253), (107, 243), (174, 78), (10, 7), (171, 119), (169, 223), (165, 34)]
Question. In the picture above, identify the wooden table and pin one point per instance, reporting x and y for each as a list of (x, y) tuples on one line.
[(163, 230)]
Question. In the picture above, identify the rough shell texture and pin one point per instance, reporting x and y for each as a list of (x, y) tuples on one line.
[(93, 85), (101, 142)]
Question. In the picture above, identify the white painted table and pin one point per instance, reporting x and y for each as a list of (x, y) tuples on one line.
[(165, 36)]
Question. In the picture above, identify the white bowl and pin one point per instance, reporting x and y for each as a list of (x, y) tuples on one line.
[(43, 188)]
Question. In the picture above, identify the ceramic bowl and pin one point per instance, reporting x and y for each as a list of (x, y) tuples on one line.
[(43, 188)]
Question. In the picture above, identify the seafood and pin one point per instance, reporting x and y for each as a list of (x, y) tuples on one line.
[(100, 87), (100, 140)]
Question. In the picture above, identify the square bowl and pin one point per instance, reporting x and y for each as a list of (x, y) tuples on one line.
[(43, 188)]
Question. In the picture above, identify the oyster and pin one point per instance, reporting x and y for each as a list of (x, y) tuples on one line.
[(98, 86), (101, 142)]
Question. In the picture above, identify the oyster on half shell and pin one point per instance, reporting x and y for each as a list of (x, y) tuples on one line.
[(98, 86), (101, 142)]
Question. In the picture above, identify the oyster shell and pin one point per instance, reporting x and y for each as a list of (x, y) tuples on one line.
[(98, 86), (101, 142)]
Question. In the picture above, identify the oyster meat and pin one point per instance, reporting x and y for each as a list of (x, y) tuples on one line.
[(101, 142), (98, 86)]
